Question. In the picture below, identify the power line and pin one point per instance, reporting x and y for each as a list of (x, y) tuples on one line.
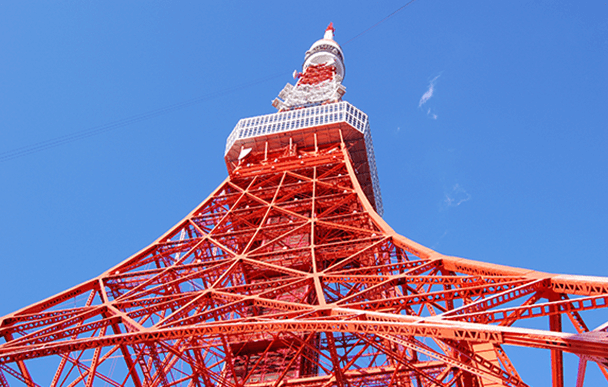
[(380, 22), (79, 135), (82, 134)]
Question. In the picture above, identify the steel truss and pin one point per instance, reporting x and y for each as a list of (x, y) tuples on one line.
[(285, 275)]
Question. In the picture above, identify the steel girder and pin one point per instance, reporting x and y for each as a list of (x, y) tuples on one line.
[(285, 275)]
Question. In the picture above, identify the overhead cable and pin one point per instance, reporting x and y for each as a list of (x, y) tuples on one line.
[(85, 133)]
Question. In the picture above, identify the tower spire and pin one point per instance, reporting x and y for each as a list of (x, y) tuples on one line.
[(320, 80), (329, 32)]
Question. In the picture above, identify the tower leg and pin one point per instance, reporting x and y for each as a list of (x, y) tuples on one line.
[(557, 356)]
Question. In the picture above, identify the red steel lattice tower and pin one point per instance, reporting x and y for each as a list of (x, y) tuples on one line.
[(286, 275)]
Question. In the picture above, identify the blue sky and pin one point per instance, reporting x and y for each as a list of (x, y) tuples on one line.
[(489, 122)]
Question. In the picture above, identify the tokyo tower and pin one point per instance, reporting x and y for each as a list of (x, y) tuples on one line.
[(286, 275)]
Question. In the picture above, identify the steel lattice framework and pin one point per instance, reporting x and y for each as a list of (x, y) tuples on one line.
[(287, 276)]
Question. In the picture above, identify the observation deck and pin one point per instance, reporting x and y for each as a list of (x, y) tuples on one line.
[(308, 127)]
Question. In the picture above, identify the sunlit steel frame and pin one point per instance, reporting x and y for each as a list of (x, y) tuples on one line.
[(285, 275)]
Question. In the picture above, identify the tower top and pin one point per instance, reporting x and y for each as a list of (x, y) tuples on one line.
[(320, 80), (311, 116), (329, 32), (326, 51)]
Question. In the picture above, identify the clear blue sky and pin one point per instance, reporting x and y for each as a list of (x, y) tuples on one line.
[(506, 162)]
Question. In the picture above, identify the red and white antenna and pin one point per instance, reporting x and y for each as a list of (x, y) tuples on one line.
[(329, 32), (320, 80)]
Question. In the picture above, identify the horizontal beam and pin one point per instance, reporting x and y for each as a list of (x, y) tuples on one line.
[(591, 343)]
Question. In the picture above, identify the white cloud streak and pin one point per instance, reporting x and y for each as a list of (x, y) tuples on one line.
[(428, 94), (456, 196)]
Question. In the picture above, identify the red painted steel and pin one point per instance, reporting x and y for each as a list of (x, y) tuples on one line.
[(315, 74), (285, 275)]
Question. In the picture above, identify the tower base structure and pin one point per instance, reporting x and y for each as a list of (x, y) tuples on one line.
[(286, 276)]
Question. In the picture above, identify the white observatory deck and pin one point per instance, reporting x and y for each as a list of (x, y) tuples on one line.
[(254, 132)]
